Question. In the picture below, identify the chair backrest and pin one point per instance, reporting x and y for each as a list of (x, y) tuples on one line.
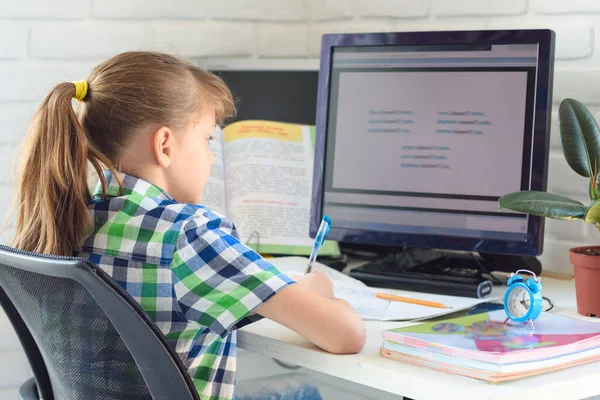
[(93, 339)]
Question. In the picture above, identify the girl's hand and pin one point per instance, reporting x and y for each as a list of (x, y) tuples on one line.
[(316, 282), (308, 307)]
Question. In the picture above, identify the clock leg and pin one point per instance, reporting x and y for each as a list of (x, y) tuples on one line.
[(531, 325)]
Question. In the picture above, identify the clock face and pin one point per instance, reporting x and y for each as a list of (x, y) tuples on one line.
[(518, 302)]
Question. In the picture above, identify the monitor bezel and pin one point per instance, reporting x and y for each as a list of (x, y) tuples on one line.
[(540, 143)]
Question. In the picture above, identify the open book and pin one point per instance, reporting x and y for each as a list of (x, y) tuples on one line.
[(262, 181)]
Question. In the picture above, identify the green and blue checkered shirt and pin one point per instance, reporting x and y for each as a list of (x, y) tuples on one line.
[(188, 270)]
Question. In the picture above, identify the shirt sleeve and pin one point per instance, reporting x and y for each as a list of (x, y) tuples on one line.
[(219, 281)]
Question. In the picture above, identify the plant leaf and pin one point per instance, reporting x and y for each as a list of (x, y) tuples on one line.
[(592, 216), (579, 136), (543, 204)]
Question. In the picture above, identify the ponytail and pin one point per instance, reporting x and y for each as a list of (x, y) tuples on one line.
[(127, 94), (53, 194)]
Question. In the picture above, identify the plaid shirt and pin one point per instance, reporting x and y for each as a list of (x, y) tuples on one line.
[(186, 267)]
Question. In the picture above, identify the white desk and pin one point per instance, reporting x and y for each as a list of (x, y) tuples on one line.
[(370, 369)]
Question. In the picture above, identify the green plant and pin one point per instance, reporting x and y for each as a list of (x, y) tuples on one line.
[(580, 139)]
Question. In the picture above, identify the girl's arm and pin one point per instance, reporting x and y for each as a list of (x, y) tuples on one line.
[(309, 309), (219, 281)]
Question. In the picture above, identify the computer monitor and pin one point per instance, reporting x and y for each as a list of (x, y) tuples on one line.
[(275, 90), (419, 134)]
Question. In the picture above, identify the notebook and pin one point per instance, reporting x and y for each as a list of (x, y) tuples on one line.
[(492, 376), (483, 346), (363, 300), (369, 307), (483, 367)]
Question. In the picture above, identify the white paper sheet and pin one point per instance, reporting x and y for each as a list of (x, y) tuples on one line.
[(369, 307)]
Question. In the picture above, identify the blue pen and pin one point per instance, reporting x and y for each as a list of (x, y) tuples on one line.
[(319, 239)]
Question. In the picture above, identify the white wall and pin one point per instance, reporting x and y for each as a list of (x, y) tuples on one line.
[(46, 42)]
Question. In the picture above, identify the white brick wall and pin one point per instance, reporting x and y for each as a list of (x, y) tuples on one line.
[(29, 80), (14, 118), (102, 39), (398, 9), (14, 368), (53, 41), (565, 7), (44, 9), (206, 38), (282, 40), (147, 9), (574, 36), (322, 10), (16, 47), (268, 10), (471, 8), (578, 83)]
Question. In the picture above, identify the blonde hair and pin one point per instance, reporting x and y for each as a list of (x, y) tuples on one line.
[(128, 93)]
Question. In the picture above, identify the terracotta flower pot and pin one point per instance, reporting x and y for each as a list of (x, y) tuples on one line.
[(586, 261)]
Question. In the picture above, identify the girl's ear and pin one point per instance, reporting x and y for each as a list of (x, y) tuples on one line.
[(162, 146)]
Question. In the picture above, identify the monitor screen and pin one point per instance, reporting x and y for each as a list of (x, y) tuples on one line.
[(420, 139), (270, 92)]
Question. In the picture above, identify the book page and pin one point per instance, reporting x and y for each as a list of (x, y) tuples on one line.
[(214, 194), (363, 301), (269, 181), (370, 307)]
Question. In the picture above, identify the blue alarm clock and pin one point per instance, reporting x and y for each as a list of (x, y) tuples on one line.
[(523, 299)]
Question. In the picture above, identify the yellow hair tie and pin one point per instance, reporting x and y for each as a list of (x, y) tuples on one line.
[(81, 88)]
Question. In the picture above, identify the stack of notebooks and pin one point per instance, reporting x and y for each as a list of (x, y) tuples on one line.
[(483, 346)]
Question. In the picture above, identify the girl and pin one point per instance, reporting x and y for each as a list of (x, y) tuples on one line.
[(143, 122)]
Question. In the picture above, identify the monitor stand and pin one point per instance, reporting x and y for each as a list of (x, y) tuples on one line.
[(433, 271)]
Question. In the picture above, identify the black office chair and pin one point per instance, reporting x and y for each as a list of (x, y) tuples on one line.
[(84, 336)]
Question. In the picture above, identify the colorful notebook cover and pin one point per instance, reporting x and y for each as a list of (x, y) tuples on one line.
[(489, 376), (483, 367), (486, 337)]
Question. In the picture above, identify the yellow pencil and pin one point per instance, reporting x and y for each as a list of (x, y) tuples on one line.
[(392, 297)]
